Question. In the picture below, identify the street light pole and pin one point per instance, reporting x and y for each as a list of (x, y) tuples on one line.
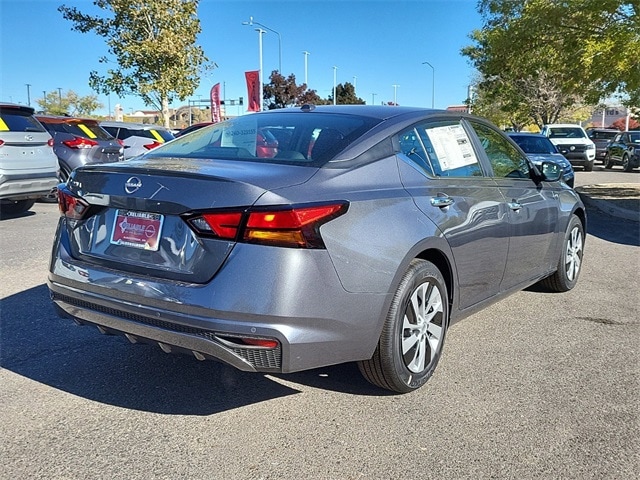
[(335, 69), (260, 33), (433, 84), (252, 22), (60, 97), (306, 54), (395, 95), (373, 98), (28, 94)]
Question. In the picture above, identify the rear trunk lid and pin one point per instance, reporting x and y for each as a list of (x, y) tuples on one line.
[(137, 220)]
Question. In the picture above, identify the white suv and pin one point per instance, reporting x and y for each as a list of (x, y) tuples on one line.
[(28, 166), (573, 142)]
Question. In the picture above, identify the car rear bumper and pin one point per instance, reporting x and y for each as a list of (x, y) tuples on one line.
[(315, 322), (17, 187)]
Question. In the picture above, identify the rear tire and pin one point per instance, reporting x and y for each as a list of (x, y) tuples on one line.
[(15, 207), (413, 335), (626, 163), (570, 263)]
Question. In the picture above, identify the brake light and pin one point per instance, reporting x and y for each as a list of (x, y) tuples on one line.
[(80, 142), (120, 142), (1, 142), (71, 206), (297, 227), (152, 145)]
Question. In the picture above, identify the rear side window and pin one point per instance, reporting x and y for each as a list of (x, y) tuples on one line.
[(156, 134), (16, 120), (441, 149)]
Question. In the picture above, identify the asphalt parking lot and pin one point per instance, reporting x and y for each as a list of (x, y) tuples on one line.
[(539, 385)]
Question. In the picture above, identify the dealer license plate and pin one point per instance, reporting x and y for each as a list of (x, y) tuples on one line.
[(137, 229)]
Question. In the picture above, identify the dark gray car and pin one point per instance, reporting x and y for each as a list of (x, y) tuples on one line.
[(80, 141), (368, 233), (539, 149)]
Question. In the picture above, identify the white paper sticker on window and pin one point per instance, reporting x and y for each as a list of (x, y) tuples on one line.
[(452, 147), (242, 135)]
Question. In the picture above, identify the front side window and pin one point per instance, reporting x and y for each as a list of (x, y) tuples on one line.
[(441, 149), (505, 159)]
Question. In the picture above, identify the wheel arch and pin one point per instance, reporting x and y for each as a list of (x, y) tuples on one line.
[(440, 260)]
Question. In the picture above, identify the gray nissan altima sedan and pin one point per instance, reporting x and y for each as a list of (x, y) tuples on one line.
[(292, 239)]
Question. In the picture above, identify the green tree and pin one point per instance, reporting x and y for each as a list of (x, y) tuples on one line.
[(153, 46), (69, 103), (545, 58), (346, 95)]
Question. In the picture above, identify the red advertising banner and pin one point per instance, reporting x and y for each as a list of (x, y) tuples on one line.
[(215, 103), (253, 90)]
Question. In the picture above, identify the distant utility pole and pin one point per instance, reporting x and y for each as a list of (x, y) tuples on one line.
[(60, 97), (306, 55), (28, 94)]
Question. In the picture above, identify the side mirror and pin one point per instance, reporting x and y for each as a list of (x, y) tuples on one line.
[(552, 172)]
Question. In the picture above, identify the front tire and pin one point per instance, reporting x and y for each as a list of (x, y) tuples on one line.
[(570, 263), (626, 163), (588, 167), (413, 335)]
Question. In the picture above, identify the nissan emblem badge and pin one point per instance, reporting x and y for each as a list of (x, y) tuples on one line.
[(132, 185)]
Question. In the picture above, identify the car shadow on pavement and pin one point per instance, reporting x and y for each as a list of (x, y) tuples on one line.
[(612, 229), (7, 216), (35, 343)]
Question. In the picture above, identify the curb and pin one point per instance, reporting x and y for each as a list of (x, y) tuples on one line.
[(606, 206)]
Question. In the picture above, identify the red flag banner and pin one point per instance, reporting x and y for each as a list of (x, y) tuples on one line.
[(253, 90), (215, 103)]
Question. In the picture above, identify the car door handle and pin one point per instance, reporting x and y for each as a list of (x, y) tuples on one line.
[(515, 206), (441, 201)]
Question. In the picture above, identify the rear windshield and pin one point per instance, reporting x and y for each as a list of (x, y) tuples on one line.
[(17, 120), (79, 128), (599, 135), (566, 132), (535, 145), (157, 134), (303, 139)]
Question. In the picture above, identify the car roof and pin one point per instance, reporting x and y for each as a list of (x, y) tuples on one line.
[(17, 106), (140, 126), (564, 125), (65, 119), (380, 112), (528, 134)]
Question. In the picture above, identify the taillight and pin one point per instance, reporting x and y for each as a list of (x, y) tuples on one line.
[(120, 142), (151, 145), (71, 206), (297, 227), (80, 142), (1, 142), (50, 142)]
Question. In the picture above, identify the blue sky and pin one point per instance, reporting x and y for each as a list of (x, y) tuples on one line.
[(380, 43)]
